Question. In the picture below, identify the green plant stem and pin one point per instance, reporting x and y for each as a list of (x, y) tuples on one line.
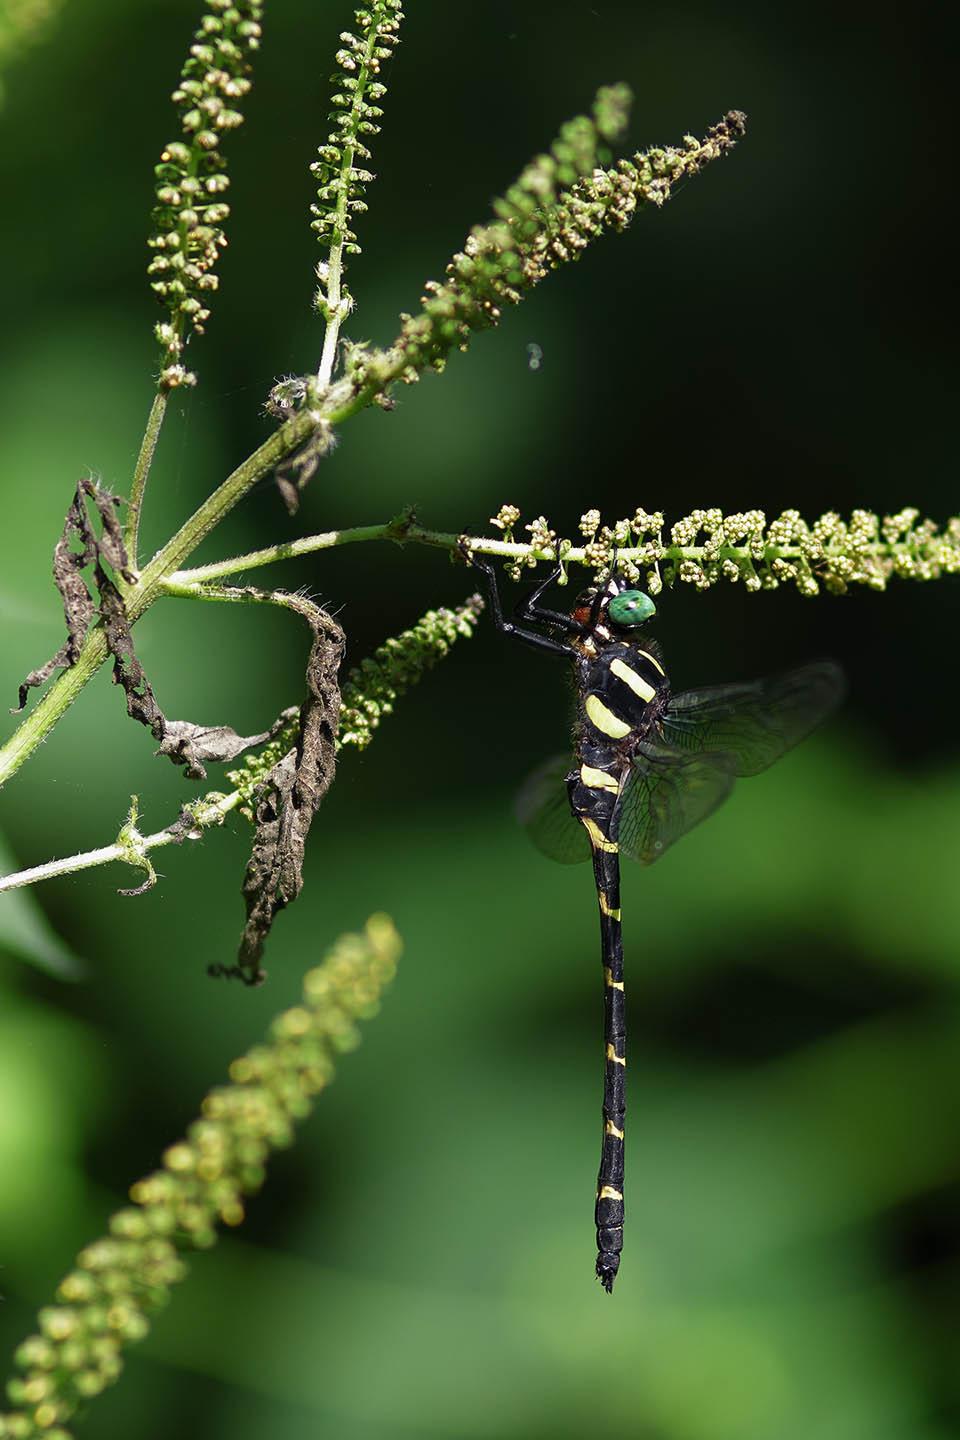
[(286, 550), (51, 706), (337, 312), (212, 810), (141, 473), (217, 506)]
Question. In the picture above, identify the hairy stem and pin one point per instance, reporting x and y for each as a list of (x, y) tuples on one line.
[(148, 447), (211, 810)]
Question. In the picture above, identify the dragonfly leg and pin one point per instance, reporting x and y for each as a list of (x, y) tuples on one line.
[(528, 609), (507, 627)]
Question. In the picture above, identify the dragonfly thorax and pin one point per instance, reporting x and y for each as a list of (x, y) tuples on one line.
[(622, 689)]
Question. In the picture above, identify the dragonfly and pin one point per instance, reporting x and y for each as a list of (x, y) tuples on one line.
[(648, 766)]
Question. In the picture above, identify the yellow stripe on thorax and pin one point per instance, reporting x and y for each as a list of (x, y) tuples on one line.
[(598, 779), (597, 838), (629, 676), (603, 719)]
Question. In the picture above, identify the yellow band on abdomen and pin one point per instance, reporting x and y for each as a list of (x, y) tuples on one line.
[(598, 779), (603, 719), (629, 676), (598, 840)]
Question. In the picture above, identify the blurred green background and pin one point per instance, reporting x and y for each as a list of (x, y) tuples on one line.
[(421, 1262)]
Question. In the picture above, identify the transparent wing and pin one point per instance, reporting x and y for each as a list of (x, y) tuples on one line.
[(543, 809), (667, 795), (754, 723)]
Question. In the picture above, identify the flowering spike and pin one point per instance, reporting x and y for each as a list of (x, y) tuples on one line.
[(558, 205), (340, 179), (707, 546), (119, 1281), (371, 689), (191, 178)]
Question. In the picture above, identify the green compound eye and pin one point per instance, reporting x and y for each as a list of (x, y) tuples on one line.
[(631, 607)]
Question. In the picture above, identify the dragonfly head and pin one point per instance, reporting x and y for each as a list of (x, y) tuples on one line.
[(621, 606)]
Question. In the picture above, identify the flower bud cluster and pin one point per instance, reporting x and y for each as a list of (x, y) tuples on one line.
[(371, 690), (505, 519), (707, 546), (355, 120), (559, 204), (609, 199), (191, 177), (489, 272), (104, 1303)]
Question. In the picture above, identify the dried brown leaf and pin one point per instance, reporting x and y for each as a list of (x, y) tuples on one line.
[(127, 670), (182, 741), (291, 794), (68, 565), (296, 472)]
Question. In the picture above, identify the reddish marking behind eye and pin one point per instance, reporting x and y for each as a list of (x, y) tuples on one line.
[(581, 614)]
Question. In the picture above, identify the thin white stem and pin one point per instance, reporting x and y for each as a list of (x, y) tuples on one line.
[(399, 532), (206, 813), (338, 303)]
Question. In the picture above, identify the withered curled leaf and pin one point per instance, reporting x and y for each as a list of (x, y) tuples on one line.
[(291, 794), (296, 472), (128, 673), (182, 741), (196, 745), (68, 565)]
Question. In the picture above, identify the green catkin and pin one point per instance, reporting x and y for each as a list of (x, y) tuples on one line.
[(191, 177), (119, 1281)]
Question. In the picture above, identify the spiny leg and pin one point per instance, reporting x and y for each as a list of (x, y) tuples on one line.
[(507, 627), (528, 609)]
